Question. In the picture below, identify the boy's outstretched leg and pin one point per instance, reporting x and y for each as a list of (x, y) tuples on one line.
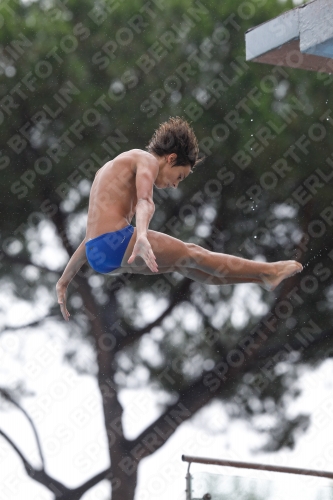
[(209, 279), (269, 275), (172, 253)]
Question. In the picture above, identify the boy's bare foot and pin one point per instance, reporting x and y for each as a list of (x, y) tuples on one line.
[(282, 270)]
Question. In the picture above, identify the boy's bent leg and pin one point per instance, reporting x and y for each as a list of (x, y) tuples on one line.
[(170, 253)]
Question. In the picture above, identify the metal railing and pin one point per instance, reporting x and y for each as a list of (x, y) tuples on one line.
[(247, 465)]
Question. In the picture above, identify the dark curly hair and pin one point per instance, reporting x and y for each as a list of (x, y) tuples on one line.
[(176, 136)]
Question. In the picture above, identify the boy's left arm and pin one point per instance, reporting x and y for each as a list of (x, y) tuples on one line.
[(146, 173), (74, 265)]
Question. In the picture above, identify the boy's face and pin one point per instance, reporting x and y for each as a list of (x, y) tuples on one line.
[(170, 176)]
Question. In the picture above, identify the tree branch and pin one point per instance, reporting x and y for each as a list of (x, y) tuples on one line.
[(8, 397), (38, 475), (52, 484), (80, 490), (26, 464)]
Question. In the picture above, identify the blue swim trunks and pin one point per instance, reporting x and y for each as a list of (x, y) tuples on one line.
[(106, 251)]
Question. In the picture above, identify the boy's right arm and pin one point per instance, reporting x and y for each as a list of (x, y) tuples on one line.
[(74, 265)]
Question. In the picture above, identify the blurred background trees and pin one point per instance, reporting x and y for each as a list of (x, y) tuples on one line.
[(83, 81)]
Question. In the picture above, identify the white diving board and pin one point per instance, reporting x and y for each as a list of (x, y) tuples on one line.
[(300, 38)]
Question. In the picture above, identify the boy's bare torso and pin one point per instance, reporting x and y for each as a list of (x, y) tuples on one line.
[(113, 196)]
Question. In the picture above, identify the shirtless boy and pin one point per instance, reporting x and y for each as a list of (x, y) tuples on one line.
[(124, 187)]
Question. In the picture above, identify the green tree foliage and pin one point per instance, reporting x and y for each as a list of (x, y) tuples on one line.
[(82, 81)]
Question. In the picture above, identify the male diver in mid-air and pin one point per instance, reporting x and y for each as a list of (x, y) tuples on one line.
[(124, 187)]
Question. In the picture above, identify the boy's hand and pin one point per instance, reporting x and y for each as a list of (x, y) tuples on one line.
[(61, 293), (143, 249)]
